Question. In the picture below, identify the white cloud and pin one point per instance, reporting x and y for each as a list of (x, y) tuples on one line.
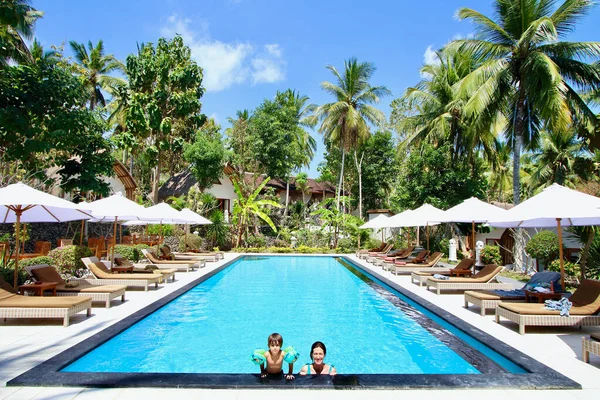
[(227, 64), (430, 57)]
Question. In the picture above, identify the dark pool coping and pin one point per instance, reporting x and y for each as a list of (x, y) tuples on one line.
[(48, 373)]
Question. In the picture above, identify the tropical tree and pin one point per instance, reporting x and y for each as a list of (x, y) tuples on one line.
[(432, 111), (345, 121), (206, 155), (499, 172), (561, 159), (527, 74), (39, 55), (94, 66), (238, 143), (246, 207), (17, 20)]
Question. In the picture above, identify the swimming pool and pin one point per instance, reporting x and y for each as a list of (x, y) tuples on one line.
[(372, 331)]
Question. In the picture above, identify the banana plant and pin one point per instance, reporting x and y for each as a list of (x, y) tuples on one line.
[(245, 207)]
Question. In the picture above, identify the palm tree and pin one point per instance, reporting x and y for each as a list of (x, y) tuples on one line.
[(245, 207), (38, 54), (561, 159), (500, 174), (95, 66), (237, 141), (17, 19), (344, 122), (432, 111), (526, 72)]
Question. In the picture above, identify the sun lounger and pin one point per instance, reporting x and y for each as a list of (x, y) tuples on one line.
[(98, 293), (481, 280), (167, 254), (16, 306), (103, 276), (402, 254), (359, 253), (409, 267), (142, 268), (584, 312), (374, 254), (420, 277), (591, 345), (186, 266), (489, 299)]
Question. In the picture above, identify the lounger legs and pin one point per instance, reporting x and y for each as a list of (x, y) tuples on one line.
[(585, 353), (123, 298), (66, 321)]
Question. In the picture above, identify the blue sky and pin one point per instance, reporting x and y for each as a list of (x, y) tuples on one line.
[(251, 49)]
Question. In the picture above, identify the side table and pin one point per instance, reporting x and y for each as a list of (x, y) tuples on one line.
[(121, 270), (539, 297), (39, 288)]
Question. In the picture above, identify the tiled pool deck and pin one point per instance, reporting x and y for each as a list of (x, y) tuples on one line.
[(25, 344)]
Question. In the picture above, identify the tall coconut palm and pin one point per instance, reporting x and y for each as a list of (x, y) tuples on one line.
[(17, 20), (500, 173), (344, 122), (237, 140), (527, 73), (433, 112), (95, 66), (38, 54), (561, 159)]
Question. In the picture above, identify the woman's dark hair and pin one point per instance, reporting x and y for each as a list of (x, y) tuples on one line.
[(319, 345)]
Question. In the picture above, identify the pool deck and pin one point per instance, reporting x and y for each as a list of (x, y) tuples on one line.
[(26, 343)]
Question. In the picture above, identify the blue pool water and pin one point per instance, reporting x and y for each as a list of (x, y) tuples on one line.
[(214, 327)]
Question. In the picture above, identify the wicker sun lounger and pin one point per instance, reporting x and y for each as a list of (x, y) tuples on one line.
[(360, 253), (103, 276), (420, 277), (166, 253), (186, 266), (489, 299), (409, 266), (142, 268), (584, 312), (98, 293), (16, 306), (481, 280), (591, 345), (400, 255)]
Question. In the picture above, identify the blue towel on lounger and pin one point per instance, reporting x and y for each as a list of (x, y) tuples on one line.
[(442, 277), (563, 305)]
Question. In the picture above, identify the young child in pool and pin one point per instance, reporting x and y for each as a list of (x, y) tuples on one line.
[(275, 358)]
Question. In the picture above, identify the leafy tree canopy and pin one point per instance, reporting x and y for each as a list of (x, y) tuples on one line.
[(45, 124), (430, 176), (206, 155)]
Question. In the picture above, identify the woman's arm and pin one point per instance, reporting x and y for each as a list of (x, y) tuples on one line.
[(303, 370)]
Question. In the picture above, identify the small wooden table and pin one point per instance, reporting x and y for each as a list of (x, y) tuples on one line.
[(39, 288), (460, 272), (539, 297), (122, 269)]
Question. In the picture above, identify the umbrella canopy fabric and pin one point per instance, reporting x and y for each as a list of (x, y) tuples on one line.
[(119, 208), (397, 220), (37, 206), (473, 210), (166, 214), (21, 203), (574, 208), (378, 222), (194, 218), (424, 215)]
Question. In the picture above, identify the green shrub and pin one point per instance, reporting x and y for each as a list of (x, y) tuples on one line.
[(491, 255), (68, 259), (256, 241), (8, 274), (443, 246), (571, 269), (167, 230), (132, 253), (543, 247), (346, 245), (36, 261), (190, 242)]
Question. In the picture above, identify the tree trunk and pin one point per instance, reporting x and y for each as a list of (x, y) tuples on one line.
[(337, 204), (359, 169), (586, 252), (287, 198), (519, 127), (156, 180)]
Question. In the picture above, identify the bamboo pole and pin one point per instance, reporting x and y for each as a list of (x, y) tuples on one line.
[(473, 239), (81, 234), (112, 251)]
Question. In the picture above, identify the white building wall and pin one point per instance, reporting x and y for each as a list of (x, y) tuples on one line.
[(224, 190)]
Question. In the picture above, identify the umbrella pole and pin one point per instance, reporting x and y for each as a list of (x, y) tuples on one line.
[(418, 241), (121, 233), (112, 251), (473, 239), (560, 255), (81, 234), (18, 213), (427, 232)]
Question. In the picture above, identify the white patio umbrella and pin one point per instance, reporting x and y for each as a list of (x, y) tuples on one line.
[(474, 211), (555, 206), (117, 208), (21, 203), (195, 218), (398, 220), (377, 223), (426, 215)]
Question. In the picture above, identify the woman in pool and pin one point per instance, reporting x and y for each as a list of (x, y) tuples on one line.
[(318, 367)]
